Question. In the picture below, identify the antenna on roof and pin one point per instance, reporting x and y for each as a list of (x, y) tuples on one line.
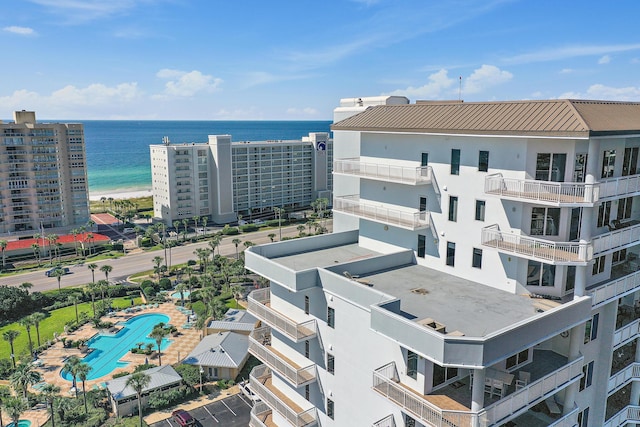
[(460, 89), (165, 140)]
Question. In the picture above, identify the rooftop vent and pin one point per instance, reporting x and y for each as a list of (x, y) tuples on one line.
[(420, 291)]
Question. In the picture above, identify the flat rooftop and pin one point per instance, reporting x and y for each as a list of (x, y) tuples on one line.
[(325, 257)]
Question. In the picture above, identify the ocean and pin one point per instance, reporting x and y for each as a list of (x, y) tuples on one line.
[(118, 158)]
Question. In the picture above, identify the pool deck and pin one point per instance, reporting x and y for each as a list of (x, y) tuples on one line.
[(55, 355)]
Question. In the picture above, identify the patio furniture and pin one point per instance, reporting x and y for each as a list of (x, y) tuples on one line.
[(523, 379), (498, 388)]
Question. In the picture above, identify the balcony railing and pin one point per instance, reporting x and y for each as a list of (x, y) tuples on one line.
[(623, 377), (387, 421), (352, 205), (383, 172), (260, 378), (630, 414), (544, 192), (621, 186), (258, 305), (260, 347), (567, 253), (615, 289), (616, 239), (568, 420), (626, 334), (260, 415)]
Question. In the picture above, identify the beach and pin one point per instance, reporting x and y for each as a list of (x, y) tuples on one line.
[(119, 194)]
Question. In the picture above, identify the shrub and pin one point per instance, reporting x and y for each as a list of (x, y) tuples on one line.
[(189, 373), (165, 284), (199, 308), (230, 231), (121, 374), (191, 262), (146, 283), (149, 291), (248, 228)]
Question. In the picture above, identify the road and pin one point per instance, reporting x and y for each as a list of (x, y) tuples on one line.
[(141, 261)]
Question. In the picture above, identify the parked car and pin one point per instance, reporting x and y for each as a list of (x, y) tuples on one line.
[(242, 222), (246, 390), (258, 222), (49, 273), (128, 230), (183, 418)]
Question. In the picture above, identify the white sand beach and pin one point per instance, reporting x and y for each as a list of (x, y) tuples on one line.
[(119, 194)]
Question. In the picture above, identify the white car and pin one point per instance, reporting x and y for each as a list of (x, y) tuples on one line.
[(258, 222), (246, 390), (242, 222)]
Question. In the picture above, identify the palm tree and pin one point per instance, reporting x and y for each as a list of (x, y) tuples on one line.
[(36, 318), (82, 371), (138, 382), (58, 273), (279, 212), (158, 333), (236, 242), (75, 232), (73, 299), (176, 225), (27, 322), (89, 238), (272, 236), (185, 222), (106, 269), (36, 252), (92, 288), (157, 260), (26, 286), (181, 287), (70, 366), (15, 406), (51, 239), (10, 336), (23, 377), (310, 225), (237, 292), (196, 220), (204, 224), (215, 243), (63, 407), (301, 229), (92, 267), (3, 246), (50, 392), (4, 394)]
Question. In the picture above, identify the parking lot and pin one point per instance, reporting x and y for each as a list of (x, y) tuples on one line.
[(230, 412)]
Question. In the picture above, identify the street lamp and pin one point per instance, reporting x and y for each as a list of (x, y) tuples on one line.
[(201, 372)]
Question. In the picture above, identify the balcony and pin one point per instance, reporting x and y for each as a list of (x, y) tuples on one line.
[(387, 421), (624, 186), (623, 377), (261, 416), (258, 305), (383, 172), (548, 193), (351, 205), (626, 235), (626, 333), (261, 384), (541, 418), (557, 253), (630, 414), (449, 406), (260, 347), (614, 289)]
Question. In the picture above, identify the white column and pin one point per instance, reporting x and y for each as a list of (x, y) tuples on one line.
[(576, 337), (477, 394)]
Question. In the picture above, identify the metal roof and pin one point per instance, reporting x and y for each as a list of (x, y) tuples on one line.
[(223, 350), (235, 320), (160, 376), (563, 117)]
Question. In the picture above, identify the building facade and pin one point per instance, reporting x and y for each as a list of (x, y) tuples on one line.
[(483, 271), (223, 179), (44, 175)]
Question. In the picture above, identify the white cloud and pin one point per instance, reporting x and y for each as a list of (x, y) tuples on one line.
[(604, 60), (566, 71), (22, 31), (185, 84), (485, 77), (437, 84), (96, 94), (565, 52), (600, 91), (88, 10), (308, 111)]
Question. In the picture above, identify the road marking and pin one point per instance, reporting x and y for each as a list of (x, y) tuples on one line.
[(229, 408), (212, 416), (169, 422), (243, 399)]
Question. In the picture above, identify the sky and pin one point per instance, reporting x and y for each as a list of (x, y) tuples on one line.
[(295, 59)]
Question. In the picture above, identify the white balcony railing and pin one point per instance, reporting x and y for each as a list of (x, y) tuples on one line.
[(352, 205), (259, 414), (548, 192), (568, 420), (615, 289), (383, 172), (628, 414), (387, 421), (626, 334), (538, 249), (260, 347), (260, 376), (258, 305), (620, 186), (615, 240), (623, 377)]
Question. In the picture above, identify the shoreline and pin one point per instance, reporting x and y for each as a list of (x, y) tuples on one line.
[(119, 194)]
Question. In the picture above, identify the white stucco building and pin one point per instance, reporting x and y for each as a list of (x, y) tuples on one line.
[(483, 271), (221, 179), (43, 175)]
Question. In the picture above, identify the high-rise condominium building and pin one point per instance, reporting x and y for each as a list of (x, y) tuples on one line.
[(44, 175), (223, 179), (483, 271)]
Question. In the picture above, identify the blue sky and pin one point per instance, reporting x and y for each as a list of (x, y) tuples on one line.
[(294, 60)]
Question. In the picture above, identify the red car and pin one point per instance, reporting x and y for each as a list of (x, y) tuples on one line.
[(183, 418)]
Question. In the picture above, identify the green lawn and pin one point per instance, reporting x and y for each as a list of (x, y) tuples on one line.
[(53, 323)]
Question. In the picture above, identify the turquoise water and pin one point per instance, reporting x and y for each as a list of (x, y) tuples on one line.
[(185, 294), (109, 348), (118, 155), (21, 423)]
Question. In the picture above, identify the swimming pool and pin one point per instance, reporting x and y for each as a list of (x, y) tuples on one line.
[(185, 294), (21, 423), (108, 349)]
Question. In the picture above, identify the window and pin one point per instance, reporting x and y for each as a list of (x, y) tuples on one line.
[(453, 208), (442, 374), (551, 167), (540, 274), (587, 377), (451, 254), (598, 266), (608, 163), (480, 205), (604, 213), (483, 161), (422, 244), (306, 304), (571, 278), (591, 328), (331, 317), (330, 408), (624, 207), (307, 349), (544, 221), (412, 364), (455, 161), (630, 162), (477, 258), (517, 359), (424, 160), (583, 418), (619, 256), (307, 392), (331, 363), (408, 421)]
